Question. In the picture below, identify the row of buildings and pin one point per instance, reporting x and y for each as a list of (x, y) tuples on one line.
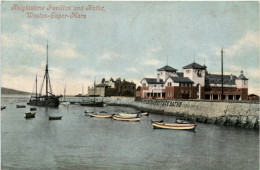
[(194, 82), (113, 87)]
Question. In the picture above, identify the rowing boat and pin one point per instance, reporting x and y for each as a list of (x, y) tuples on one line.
[(117, 117), (175, 126), (100, 115), (55, 117), (127, 115), (29, 115)]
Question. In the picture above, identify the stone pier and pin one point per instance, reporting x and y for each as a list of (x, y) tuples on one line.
[(230, 113)]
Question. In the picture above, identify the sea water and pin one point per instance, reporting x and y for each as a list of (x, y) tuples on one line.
[(81, 142)]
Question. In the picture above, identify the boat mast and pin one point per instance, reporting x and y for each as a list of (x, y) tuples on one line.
[(222, 74), (95, 90), (36, 86), (64, 93), (46, 73)]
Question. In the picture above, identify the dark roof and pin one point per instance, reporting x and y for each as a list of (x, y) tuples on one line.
[(216, 79), (102, 85), (153, 81), (167, 68), (180, 74), (194, 66), (181, 79), (241, 76)]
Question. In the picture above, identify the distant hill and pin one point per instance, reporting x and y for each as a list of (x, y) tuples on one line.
[(12, 91)]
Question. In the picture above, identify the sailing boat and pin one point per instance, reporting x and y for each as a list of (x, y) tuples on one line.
[(49, 99), (93, 103), (64, 102)]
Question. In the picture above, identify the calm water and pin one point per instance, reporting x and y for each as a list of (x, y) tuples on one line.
[(81, 142)]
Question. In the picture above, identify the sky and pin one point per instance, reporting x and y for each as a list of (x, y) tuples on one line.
[(130, 40)]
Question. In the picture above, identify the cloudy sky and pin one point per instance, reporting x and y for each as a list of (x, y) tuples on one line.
[(128, 40)]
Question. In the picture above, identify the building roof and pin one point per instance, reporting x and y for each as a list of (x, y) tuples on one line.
[(167, 68), (181, 79), (241, 76), (180, 74), (101, 85), (216, 79), (153, 81), (194, 66)]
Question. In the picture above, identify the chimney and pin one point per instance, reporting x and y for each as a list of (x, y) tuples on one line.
[(158, 77)]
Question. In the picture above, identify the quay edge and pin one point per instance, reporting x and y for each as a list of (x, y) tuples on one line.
[(240, 113)]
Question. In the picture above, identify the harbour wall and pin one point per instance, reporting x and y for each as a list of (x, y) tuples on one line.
[(230, 113)]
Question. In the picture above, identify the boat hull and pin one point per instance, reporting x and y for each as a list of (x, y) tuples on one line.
[(126, 119), (175, 126), (100, 116), (20, 106), (50, 102), (97, 104), (55, 117), (29, 115)]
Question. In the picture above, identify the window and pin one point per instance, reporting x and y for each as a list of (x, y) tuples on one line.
[(186, 84), (169, 94), (154, 85), (190, 93), (199, 73), (244, 82), (144, 84), (169, 84), (162, 85), (187, 71)]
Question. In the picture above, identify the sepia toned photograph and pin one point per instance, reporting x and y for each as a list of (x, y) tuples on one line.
[(130, 85)]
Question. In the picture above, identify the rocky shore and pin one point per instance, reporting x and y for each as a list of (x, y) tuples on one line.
[(240, 114)]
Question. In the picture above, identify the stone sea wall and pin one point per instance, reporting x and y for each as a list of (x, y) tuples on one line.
[(242, 114)]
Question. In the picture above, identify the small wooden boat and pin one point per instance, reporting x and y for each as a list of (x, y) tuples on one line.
[(29, 115), (102, 112), (3, 107), (20, 106), (127, 115), (100, 115), (116, 117), (55, 117), (33, 109), (175, 126), (144, 114)]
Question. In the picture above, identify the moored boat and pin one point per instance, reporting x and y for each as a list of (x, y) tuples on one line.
[(100, 115), (49, 99), (29, 115), (117, 117), (20, 106), (175, 126), (55, 117), (127, 115), (3, 107), (33, 109)]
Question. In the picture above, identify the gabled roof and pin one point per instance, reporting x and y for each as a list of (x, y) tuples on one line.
[(167, 68), (153, 81), (181, 79), (216, 79), (241, 76), (194, 66)]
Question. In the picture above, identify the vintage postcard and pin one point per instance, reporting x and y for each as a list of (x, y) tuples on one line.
[(130, 85)]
